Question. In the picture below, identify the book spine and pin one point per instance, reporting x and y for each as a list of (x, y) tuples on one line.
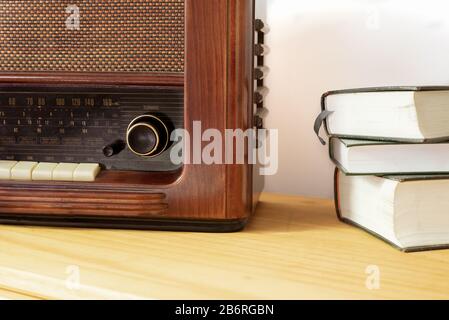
[(337, 194)]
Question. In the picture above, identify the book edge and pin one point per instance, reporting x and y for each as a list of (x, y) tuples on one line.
[(387, 89), (372, 233), (382, 89), (395, 176), (387, 140)]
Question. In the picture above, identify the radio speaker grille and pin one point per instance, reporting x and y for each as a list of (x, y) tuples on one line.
[(92, 36)]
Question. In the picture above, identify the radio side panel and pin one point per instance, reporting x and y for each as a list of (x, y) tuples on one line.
[(240, 107)]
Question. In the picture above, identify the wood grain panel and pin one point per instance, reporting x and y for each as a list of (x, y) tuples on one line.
[(12, 295), (240, 107), (80, 202), (155, 79), (294, 248), (203, 186)]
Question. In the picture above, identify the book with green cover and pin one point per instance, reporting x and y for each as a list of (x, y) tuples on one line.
[(368, 157), (402, 114), (409, 212)]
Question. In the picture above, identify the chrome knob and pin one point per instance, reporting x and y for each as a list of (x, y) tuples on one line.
[(147, 136)]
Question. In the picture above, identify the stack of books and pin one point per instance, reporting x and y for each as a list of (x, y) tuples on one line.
[(391, 147)]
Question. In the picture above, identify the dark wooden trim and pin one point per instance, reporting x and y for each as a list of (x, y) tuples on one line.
[(202, 190), (118, 181), (94, 78), (165, 224), (240, 106)]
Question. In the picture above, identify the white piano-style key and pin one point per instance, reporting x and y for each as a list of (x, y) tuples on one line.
[(44, 171), (23, 170), (86, 172), (48, 171), (5, 169), (64, 171)]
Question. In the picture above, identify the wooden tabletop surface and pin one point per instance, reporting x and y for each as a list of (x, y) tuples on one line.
[(294, 248)]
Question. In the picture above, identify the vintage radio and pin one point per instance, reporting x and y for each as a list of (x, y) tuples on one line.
[(90, 93)]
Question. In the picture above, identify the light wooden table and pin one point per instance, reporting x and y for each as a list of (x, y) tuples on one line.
[(294, 248)]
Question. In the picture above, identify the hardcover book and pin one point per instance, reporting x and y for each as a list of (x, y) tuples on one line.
[(368, 157), (409, 212), (405, 114)]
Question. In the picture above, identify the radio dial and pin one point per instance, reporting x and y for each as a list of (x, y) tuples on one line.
[(147, 136)]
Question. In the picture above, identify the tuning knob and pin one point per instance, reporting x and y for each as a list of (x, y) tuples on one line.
[(260, 94), (261, 26), (114, 148), (147, 136), (261, 50)]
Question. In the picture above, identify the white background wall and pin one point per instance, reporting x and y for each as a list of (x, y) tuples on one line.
[(321, 45)]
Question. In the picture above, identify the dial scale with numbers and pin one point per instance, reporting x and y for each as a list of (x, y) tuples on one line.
[(57, 124)]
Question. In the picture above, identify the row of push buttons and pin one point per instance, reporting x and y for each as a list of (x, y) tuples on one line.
[(46, 171)]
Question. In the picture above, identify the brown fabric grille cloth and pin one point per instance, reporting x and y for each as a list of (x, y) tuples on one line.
[(113, 36)]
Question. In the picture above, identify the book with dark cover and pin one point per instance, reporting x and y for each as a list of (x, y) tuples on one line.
[(430, 136), (381, 158), (427, 216)]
